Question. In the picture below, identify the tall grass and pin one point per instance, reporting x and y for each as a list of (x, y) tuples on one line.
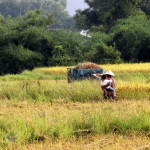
[(78, 91), (25, 128)]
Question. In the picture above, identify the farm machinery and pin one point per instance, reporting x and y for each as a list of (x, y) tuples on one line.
[(74, 74)]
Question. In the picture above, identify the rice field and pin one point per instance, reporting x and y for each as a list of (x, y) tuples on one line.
[(116, 68), (40, 110)]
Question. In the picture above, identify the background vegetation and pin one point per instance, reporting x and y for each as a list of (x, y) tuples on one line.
[(41, 33)]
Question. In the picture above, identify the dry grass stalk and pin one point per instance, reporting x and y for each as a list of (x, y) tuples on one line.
[(87, 65)]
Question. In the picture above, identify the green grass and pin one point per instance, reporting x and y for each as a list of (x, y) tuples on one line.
[(138, 77), (21, 128), (36, 74), (32, 75), (84, 91)]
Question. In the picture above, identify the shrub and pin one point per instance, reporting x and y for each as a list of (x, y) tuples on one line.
[(105, 54), (132, 37), (15, 59)]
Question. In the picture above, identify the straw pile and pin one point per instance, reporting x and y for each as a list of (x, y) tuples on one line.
[(87, 65)]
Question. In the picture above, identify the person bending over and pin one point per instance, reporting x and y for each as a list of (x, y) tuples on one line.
[(110, 76), (106, 86)]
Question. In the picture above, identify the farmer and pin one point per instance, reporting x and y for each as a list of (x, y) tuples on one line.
[(105, 84), (111, 89)]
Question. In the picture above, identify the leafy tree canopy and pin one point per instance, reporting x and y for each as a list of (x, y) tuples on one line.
[(21, 7), (131, 36), (106, 12), (16, 8)]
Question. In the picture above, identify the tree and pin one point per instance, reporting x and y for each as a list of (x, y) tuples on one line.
[(68, 45), (56, 8), (107, 12), (13, 8), (21, 7), (15, 59), (24, 42), (106, 54), (131, 36), (145, 6), (59, 57), (35, 18)]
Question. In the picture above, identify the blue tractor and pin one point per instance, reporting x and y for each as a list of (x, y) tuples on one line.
[(80, 74)]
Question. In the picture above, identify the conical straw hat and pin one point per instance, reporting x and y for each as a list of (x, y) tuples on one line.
[(109, 72)]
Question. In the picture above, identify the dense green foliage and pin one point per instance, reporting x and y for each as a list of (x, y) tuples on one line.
[(17, 58), (132, 38), (119, 33), (107, 12), (21, 7), (28, 42), (24, 42), (16, 8), (126, 23)]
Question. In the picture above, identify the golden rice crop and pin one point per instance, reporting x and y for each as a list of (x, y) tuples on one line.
[(137, 67), (117, 68), (54, 70), (135, 86)]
